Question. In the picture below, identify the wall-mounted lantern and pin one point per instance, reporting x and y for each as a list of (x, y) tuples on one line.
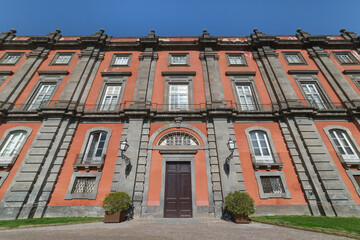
[(231, 146), (123, 147)]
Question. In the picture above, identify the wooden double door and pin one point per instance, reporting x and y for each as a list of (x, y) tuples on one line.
[(178, 194)]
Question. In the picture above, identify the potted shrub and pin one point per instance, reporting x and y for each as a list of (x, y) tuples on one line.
[(116, 205), (240, 205)]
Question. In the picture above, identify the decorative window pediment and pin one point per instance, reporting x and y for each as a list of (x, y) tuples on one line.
[(178, 139)]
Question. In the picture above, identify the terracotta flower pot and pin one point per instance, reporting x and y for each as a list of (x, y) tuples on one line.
[(241, 219), (115, 217)]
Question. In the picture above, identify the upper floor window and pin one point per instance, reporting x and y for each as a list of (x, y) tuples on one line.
[(11, 145), (10, 58), (178, 97), (62, 59), (179, 59), (261, 147), (95, 147), (236, 59), (294, 58), (246, 97), (343, 145), (43, 95), (345, 58), (178, 139), (2, 79), (110, 97), (313, 95), (120, 59)]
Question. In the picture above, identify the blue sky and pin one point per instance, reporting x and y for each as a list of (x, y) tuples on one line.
[(179, 18)]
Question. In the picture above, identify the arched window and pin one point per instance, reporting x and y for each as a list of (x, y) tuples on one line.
[(343, 145), (178, 139), (95, 147), (261, 148), (11, 145)]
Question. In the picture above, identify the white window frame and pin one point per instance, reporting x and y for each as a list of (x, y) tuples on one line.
[(345, 57), (45, 98), (178, 106), (174, 59), (336, 138), (113, 96), (310, 95), (15, 149), (262, 157), (121, 60), (244, 97), (236, 59), (101, 139)]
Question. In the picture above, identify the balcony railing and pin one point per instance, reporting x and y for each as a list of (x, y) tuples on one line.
[(133, 105), (87, 163), (276, 162), (7, 163)]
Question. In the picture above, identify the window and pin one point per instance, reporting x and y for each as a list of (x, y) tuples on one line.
[(2, 79), (42, 96), (246, 98), (313, 95), (178, 139), (120, 60), (294, 58), (343, 145), (260, 146), (110, 98), (11, 146), (62, 59), (95, 147), (179, 59), (10, 58), (83, 185), (3, 176), (236, 59), (272, 184), (345, 58), (355, 179), (178, 97)]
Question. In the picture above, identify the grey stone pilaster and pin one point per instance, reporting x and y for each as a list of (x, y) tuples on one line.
[(53, 171), (215, 171), (145, 76), (37, 193), (126, 176), (278, 77), (336, 79), (231, 178), (85, 66), (301, 163), (23, 75), (212, 79)]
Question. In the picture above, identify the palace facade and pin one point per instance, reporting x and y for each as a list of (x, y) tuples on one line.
[(199, 117)]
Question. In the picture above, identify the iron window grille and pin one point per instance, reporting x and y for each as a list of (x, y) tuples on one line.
[(272, 184), (84, 185)]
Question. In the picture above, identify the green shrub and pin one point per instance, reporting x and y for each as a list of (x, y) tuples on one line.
[(239, 203), (116, 202)]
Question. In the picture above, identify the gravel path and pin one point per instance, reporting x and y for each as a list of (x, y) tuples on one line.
[(152, 229)]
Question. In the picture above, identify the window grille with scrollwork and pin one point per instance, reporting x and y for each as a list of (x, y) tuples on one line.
[(84, 185), (178, 139)]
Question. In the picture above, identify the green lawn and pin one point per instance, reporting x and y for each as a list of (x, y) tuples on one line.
[(340, 225), (45, 221)]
